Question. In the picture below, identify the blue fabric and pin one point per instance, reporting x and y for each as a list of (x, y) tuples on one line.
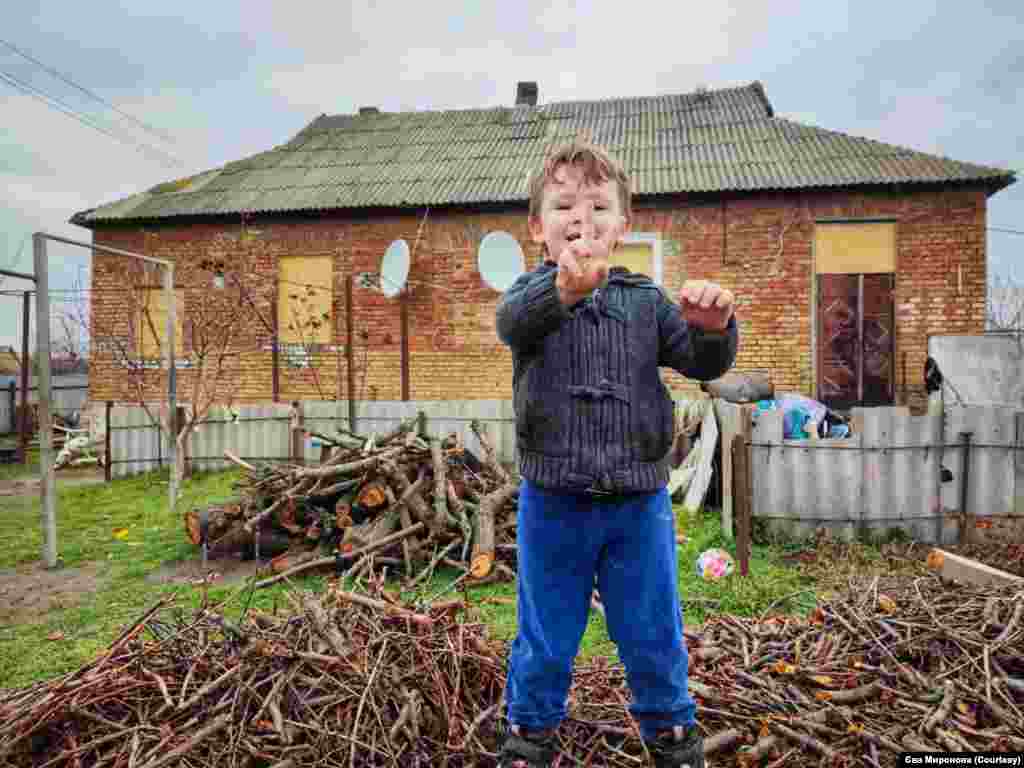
[(630, 543)]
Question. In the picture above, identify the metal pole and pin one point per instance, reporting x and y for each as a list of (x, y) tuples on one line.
[(47, 490), (108, 249), (172, 405), (19, 275), (23, 426)]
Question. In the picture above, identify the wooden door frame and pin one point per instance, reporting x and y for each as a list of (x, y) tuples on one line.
[(813, 286)]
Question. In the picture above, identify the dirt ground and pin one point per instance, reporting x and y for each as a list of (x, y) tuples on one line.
[(226, 570), (29, 592), (29, 484)]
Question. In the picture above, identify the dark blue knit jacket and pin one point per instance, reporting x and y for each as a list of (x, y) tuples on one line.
[(591, 409)]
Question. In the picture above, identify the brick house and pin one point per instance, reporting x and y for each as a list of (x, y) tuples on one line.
[(846, 253)]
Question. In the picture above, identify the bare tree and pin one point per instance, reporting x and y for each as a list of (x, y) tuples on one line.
[(1004, 310), (70, 337), (215, 327)]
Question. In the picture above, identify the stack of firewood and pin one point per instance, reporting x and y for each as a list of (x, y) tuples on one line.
[(405, 500)]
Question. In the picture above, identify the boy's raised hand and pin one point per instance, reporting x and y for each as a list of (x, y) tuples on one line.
[(706, 305), (579, 272)]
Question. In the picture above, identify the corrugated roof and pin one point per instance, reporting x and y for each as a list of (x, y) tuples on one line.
[(706, 142)]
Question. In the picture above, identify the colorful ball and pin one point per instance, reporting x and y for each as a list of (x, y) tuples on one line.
[(714, 564)]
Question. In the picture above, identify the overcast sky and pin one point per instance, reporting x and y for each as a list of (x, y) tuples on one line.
[(228, 79)]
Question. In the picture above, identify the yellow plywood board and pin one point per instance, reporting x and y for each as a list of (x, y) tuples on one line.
[(304, 299), (153, 320), (636, 257), (853, 248)]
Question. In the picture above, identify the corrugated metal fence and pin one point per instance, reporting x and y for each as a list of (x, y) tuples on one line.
[(889, 475), (70, 393), (263, 432)]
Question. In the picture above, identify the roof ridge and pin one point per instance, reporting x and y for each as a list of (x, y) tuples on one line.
[(755, 86)]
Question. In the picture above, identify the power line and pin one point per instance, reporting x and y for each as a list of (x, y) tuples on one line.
[(87, 92), (1006, 230), (55, 103)]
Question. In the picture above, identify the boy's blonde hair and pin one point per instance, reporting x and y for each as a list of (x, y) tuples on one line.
[(597, 166)]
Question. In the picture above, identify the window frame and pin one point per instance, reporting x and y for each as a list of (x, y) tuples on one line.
[(654, 240)]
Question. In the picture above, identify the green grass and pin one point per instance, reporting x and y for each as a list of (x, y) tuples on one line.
[(20, 471), (89, 515)]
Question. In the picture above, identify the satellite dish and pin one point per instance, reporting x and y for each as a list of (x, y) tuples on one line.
[(394, 268), (500, 260)]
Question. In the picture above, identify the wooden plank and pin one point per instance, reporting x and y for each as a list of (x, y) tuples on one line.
[(964, 569), (742, 500), (728, 420)]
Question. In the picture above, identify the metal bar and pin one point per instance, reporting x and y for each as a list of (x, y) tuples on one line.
[(172, 384), (23, 425), (869, 448), (350, 353), (20, 275), (204, 458), (47, 488), (60, 388), (107, 249)]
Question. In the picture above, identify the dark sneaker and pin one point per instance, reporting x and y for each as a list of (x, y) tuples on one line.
[(527, 749), (678, 748)]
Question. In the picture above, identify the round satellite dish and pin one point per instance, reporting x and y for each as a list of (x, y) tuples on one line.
[(394, 268), (500, 260)]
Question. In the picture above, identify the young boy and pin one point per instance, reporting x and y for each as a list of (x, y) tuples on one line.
[(594, 429)]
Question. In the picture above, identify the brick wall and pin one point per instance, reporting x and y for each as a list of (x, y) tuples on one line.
[(759, 246)]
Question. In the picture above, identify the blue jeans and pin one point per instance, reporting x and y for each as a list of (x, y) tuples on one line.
[(629, 542)]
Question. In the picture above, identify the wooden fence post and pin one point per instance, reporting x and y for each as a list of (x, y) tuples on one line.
[(297, 421), (106, 442), (967, 520), (14, 405), (741, 500), (179, 424)]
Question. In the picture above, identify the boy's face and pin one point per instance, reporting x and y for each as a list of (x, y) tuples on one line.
[(574, 209)]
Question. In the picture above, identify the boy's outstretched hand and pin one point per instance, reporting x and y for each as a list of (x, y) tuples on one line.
[(706, 305), (579, 273)]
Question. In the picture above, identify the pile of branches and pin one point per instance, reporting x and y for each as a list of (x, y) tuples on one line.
[(357, 680), (405, 501), (346, 680), (889, 667)]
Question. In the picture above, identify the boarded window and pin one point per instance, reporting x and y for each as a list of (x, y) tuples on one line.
[(855, 339), (855, 248), (636, 257), (304, 298), (152, 323)]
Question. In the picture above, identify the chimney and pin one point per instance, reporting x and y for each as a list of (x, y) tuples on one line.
[(369, 111), (526, 93)]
